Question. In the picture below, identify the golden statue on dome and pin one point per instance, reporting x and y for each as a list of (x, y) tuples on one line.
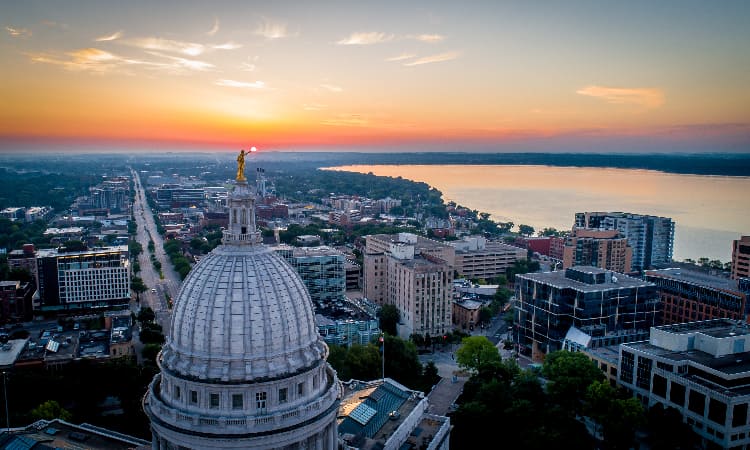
[(241, 166)]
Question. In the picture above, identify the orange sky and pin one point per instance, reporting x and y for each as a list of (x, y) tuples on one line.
[(422, 75)]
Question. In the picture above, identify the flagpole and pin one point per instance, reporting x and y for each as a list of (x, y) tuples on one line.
[(382, 339)]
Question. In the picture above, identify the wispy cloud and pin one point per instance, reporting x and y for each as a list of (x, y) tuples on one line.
[(179, 64), (346, 120), (428, 38), (402, 57), (240, 84), (440, 57), (167, 45), (368, 38), (215, 28), (18, 32), (86, 59), (314, 107), (110, 37), (227, 46), (646, 97), (332, 88), (273, 30), (249, 65)]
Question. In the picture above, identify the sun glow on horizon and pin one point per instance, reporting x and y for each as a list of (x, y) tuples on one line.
[(455, 77)]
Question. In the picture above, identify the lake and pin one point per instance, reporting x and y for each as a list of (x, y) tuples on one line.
[(709, 211)]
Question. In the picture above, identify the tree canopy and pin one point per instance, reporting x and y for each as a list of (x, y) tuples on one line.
[(477, 353), (569, 375), (389, 316)]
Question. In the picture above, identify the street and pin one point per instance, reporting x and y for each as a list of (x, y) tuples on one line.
[(159, 289)]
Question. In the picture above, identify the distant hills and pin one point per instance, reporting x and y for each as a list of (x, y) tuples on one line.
[(697, 164)]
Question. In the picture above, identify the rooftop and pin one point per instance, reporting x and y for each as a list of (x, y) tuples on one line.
[(717, 328), (58, 434), (728, 365), (370, 412), (696, 278), (42, 253), (559, 280)]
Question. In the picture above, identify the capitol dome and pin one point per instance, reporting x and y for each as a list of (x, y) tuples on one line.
[(242, 314), (243, 366)]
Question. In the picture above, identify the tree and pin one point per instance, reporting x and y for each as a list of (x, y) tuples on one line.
[(146, 315), (569, 375), (485, 314), (389, 316), (50, 410), (667, 431), (149, 353), (138, 286), (476, 353), (550, 232), (363, 362), (526, 230), (74, 246), (135, 248)]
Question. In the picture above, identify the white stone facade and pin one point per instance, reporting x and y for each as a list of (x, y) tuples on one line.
[(243, 366)]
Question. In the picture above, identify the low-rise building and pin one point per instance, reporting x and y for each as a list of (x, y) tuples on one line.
[(466, 313), (384, 414), (702, 369), (475, 257)]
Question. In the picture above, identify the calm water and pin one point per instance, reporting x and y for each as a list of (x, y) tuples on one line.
[(709, 211)]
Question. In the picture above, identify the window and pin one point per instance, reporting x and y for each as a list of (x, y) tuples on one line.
[(214, 400), (237, 401), (282, 395), (260, 401), (301, 389), (194, 397), (177, 392)]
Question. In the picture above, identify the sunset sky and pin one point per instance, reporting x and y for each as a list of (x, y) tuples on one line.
[(389, 75)]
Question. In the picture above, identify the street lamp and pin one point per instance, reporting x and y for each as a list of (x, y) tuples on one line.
[(5, 394)]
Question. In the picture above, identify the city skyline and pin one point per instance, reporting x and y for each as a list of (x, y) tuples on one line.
[(581, 76)]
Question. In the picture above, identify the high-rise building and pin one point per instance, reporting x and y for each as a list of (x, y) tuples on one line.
[(79, 280), (741, 257), (243, 366), (702, 369), (689, 296), (651, 237), (606, 249), (586, 305), (408, 271)]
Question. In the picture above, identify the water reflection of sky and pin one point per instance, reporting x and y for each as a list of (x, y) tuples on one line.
[(709, 211)]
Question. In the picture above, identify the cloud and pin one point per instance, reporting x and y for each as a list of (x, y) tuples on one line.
[(99, 61), (369, 38), (110, 37), (18, 32), (179, 63), (240, 84), (440, 57), (272, 30), (313, 107), (344, 120), (331, 87), (215, 28), (86, 59), (429, 38), (646, 97), (227, 46), (167, 45), (402, 57)]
